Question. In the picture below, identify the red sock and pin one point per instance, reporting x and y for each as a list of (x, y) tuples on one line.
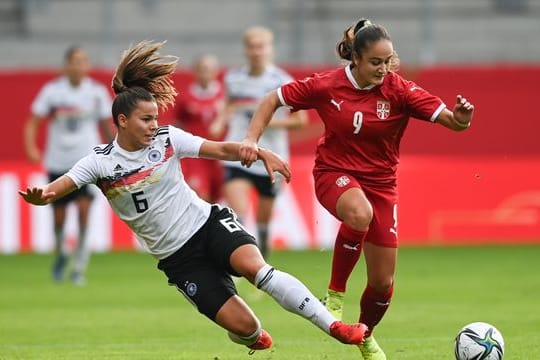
[(347, 250), (373, 305)]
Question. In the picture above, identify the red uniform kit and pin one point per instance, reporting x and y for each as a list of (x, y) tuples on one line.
[(196, 109), (360, 146)]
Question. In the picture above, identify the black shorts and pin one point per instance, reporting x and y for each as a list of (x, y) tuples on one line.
[(262, 183), (201, 269), (84, 191)]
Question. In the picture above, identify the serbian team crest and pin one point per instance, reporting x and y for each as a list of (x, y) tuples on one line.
[(383, 109)]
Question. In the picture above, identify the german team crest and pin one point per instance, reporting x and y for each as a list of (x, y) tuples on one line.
[(383, 109)]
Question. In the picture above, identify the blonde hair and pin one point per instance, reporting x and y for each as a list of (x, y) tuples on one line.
[(258, 31)]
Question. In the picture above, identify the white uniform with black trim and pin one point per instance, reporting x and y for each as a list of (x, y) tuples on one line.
[(246, 92), (146, 188), (74, 112)]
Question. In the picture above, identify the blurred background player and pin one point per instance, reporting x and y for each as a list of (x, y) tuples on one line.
[(198, 245), (195, 111), (245, 87), (365, 108), (77, 107)]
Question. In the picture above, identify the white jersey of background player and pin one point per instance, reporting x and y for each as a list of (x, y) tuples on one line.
[(133, 180), (244, 92), (75, 106), (245, 88), (75, 113)]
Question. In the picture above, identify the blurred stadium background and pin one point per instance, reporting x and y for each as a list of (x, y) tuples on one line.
[(480, 187)]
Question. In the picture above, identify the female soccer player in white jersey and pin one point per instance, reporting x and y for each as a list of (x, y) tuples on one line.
[(245, 88), (76, 105), (198, 245), (365, 108)]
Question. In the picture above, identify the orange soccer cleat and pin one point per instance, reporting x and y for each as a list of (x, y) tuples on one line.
[(348, 333), (264, 341)]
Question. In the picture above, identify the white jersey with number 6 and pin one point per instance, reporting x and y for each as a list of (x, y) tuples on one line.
[(146, 188)]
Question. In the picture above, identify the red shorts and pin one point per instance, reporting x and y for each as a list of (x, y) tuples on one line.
[(329, 186), (204, 176)]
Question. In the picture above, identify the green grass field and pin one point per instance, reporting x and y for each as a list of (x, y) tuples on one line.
[(126, 311)]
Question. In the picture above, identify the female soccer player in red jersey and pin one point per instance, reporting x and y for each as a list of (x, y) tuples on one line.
[(365, 108), (198, 245)]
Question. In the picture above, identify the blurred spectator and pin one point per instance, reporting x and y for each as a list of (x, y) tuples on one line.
[(75, 105), (195, 111), (245, 88)]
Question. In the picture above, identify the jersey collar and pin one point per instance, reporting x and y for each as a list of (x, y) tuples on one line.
[(351, 78)]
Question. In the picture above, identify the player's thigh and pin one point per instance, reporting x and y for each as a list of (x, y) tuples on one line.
[(341, 195), (383, 229), (197, 276), (230, 246), (206, 287)]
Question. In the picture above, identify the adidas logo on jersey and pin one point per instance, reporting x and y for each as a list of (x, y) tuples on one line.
[(118, 168)]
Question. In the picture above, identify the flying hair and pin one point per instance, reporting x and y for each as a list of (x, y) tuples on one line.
[(141, 66)]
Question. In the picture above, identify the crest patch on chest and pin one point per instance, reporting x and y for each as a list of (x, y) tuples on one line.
[(383, 109)]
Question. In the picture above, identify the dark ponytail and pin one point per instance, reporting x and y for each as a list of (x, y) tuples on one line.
[(344, 48), (357, 39), (143, 75)]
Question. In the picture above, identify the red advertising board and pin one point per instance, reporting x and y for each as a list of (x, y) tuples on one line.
[(443, 200)]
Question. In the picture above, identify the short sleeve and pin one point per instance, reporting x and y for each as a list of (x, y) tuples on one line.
[(420, 103), (41, 105), (85, 171), (300, 94), (184, 143)]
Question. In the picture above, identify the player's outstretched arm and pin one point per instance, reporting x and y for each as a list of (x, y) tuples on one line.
[(260, 120), (48, 193), (228, 150), (460, 118)]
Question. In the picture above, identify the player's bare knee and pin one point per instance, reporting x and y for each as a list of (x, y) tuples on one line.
[(247, 261), (359, 218), (245, 325), (382, 285)]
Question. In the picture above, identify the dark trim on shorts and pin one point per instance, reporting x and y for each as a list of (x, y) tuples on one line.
[(262, 183), (83, 191)]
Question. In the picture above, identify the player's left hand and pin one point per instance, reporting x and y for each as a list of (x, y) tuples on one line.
[(463, 110), (37, 196), (248, 152), (274, 162)]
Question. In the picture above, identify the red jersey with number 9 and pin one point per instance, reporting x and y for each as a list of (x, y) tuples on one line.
[(363, 126)]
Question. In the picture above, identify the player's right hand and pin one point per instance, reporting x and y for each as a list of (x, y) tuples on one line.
[(249, 152), (37, 196)]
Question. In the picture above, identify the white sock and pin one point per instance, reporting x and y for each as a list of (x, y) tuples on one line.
[(293, 296)]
